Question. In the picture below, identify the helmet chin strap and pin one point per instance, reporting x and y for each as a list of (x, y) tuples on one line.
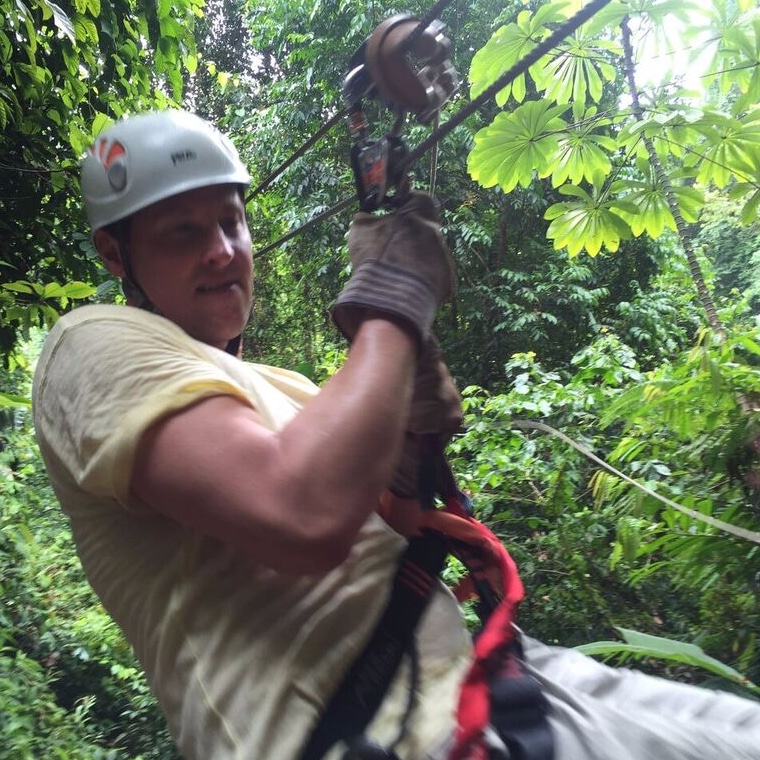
[(137, 296)]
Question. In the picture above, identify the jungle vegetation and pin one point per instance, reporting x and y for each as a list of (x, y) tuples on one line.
[(602, 208)]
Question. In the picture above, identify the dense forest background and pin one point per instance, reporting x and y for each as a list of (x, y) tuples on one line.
[(602, 209)]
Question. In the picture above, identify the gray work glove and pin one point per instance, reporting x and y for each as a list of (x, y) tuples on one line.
[(401, 268), (435, 413)]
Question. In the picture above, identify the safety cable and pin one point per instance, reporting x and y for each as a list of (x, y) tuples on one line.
[(563, 31), (321, 132)]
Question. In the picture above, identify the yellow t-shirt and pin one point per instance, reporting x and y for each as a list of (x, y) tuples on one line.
[(242, 659)]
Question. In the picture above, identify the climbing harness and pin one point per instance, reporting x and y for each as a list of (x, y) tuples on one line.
[(502, 714)]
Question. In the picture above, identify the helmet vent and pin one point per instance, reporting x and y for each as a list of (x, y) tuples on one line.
[(117, 175)]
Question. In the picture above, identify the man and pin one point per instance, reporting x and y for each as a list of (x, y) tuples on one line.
[(224, 512), (227, 513)]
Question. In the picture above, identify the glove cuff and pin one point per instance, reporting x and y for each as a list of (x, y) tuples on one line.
[(401, 295)]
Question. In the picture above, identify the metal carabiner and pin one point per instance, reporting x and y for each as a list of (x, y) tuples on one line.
[(406, 68)]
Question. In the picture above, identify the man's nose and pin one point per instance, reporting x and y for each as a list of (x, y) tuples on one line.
[(219, 249)]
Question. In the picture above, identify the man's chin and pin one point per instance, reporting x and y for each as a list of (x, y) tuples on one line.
[(218, 338)]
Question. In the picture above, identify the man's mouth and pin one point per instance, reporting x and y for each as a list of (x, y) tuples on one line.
[(219, 287)]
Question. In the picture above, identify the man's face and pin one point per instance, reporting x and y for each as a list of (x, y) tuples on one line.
[(191, 255)]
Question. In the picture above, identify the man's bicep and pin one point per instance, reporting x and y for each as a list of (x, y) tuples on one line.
[(197, 467)]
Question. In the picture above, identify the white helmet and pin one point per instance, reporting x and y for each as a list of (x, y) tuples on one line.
[(143, 159)]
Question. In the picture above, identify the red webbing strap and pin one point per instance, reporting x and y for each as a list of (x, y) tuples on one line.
[(487, 558)]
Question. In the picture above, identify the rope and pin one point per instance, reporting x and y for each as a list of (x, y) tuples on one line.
[(734, 530)]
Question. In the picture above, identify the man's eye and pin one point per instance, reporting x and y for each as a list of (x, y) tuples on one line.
[(185, 229), (231, 224)]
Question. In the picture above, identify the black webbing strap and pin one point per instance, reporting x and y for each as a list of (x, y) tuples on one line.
[(520, 710), (363, 688)]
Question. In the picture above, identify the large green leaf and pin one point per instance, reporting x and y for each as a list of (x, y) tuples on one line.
[(732, 145), (12, 400), (77, 290), (517, 146), (645, 645), (62, 21), (576, 74), (590, 222), (750, 209), (508, 45), (733, 30), (652, 213), (84, 29), (583, 155), (673, 132)]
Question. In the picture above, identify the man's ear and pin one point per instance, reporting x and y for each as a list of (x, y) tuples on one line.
[(110, 252)]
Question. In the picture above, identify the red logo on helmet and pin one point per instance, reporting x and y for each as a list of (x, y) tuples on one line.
[(113, 156), (107, 152)]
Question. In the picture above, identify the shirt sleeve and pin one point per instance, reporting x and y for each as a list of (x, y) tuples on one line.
[(103, 380)]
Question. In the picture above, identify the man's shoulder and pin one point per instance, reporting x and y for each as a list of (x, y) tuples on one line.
[(113, 325), (105, 314), (94, 337)]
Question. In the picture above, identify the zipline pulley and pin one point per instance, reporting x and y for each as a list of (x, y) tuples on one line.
[(407, 69)]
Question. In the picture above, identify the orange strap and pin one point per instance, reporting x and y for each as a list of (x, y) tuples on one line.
[(490, 566), (490, 563)]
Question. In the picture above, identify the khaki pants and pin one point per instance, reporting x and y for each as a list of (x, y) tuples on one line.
[(603, 713)]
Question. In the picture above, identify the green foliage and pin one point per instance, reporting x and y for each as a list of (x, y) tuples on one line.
[(602, 156), (602, 350), (732, 247), (661, 318), (69, 684), (590, 222), (596, 552), (685, 435), (516, 292), (66, 69), (533, 492), (640, 645), (33, 725), (516, 145)]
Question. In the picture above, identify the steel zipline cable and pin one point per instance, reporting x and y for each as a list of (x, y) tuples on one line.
[(316, 137), (541, 49)]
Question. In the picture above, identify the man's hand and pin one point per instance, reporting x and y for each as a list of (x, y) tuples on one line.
[(402, 269)]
